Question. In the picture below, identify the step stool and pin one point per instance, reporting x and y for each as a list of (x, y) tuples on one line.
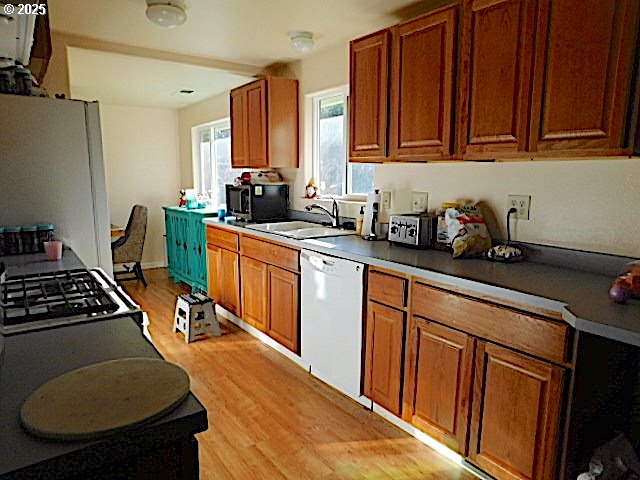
[(195, 315)]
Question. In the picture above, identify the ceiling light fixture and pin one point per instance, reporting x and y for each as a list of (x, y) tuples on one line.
[(167, 13), (302, 41)]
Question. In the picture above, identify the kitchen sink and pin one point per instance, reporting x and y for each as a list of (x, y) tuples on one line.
[(300, 230)]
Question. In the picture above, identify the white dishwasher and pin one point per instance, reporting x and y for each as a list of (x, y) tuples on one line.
[(331, 321)]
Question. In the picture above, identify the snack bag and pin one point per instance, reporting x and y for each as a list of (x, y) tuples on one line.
[(467, 231)]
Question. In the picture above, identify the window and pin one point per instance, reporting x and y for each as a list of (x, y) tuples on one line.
[(213, 160), (334, 175)]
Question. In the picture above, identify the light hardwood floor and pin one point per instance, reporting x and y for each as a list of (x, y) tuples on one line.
[(269, 419)]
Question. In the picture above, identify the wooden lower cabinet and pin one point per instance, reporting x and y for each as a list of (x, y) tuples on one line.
[(384, 354), (284, 318), (224, 277), (255, 292), (516, 414), (437, 397)]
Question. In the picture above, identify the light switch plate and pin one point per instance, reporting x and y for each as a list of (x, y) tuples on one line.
[(419, 202), (386, 200)]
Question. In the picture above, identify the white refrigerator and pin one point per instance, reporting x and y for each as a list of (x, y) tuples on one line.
[(52, 171)]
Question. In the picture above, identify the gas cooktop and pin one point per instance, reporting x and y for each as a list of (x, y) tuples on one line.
[(58, 297)]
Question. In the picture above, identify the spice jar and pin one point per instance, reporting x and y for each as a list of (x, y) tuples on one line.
[(45, 234), (12, 241), (29, 235), (2, 252)]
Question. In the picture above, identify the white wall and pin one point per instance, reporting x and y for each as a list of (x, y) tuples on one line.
[(142, 167), (212, 109)]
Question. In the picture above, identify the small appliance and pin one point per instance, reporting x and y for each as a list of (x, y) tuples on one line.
[(258, 202), (371, 229), (417, 230)]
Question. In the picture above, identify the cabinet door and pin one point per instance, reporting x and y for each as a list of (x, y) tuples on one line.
[(422, 70), (214, 272), (284, 299), (255, 292), (183, 256), (197, 242), (169, 230), (581, 76), (238, 128), (384, 344), (368, 97), (230, 281), (438, 382), (496, 58), (516, 413), (256, 122)]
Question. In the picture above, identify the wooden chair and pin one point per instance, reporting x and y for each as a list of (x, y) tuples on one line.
[(128, 248)]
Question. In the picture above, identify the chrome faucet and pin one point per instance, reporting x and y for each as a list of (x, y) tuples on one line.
[(334, 215)]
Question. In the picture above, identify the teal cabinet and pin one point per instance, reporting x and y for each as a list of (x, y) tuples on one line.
[(187, 245)]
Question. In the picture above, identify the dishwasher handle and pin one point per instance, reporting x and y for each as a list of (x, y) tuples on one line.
[(315, 260)]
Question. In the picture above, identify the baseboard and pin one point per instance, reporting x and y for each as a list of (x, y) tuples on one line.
[(148, 265)]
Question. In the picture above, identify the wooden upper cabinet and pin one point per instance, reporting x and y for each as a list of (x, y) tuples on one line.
[(496, 61), (582, 76), (264, 124), (256, 124), (238, 127), (368, 97), (515, 425), (422, 72)]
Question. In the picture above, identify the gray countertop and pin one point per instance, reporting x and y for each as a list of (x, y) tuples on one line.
[(32, 359), (581, 297), (33, 263)]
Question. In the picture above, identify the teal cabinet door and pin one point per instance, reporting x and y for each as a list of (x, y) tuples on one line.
[(186, 245)]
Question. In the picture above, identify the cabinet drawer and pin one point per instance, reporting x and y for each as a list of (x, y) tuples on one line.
[(387, 289), (271, 253), (222, 238), (544, 338)]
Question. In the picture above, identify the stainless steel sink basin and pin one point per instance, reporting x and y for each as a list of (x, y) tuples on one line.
[(300, 230)]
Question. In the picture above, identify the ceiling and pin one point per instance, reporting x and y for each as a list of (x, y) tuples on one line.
[(250, 32)]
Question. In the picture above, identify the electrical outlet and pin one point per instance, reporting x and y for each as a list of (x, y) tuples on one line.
[(522, 204), (419, 202), (386, 200)]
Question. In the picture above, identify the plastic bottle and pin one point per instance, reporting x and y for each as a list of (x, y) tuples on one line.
[(359, 221), (12, 240), (29, 236)]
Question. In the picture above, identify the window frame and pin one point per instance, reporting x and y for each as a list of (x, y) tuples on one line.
[(198, 164), (316, 98)]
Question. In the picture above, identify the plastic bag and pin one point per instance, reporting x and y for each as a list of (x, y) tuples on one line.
[(467, 231)]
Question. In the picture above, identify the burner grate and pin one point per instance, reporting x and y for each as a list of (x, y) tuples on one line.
[(53, 295)]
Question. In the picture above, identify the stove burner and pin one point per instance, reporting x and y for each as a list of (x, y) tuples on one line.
[(53, 295)]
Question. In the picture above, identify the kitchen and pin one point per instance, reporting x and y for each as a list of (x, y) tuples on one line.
[(585, 205)]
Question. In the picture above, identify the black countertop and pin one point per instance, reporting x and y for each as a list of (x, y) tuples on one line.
[(29, 360), (32, 263), (581, 296)]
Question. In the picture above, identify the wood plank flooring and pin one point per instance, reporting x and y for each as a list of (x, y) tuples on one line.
[(269, 419)]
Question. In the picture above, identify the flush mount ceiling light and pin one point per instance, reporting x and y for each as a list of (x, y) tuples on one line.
[(302, 41), (167, 13)]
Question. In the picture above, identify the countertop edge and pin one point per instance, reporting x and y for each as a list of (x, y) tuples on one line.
[(472, 286)]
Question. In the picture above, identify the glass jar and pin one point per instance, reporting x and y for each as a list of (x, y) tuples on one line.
[(29, 235), (12, 240), (2, 252), (45, 234)]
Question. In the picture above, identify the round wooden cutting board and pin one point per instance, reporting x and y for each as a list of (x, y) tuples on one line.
[(104, 398)]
